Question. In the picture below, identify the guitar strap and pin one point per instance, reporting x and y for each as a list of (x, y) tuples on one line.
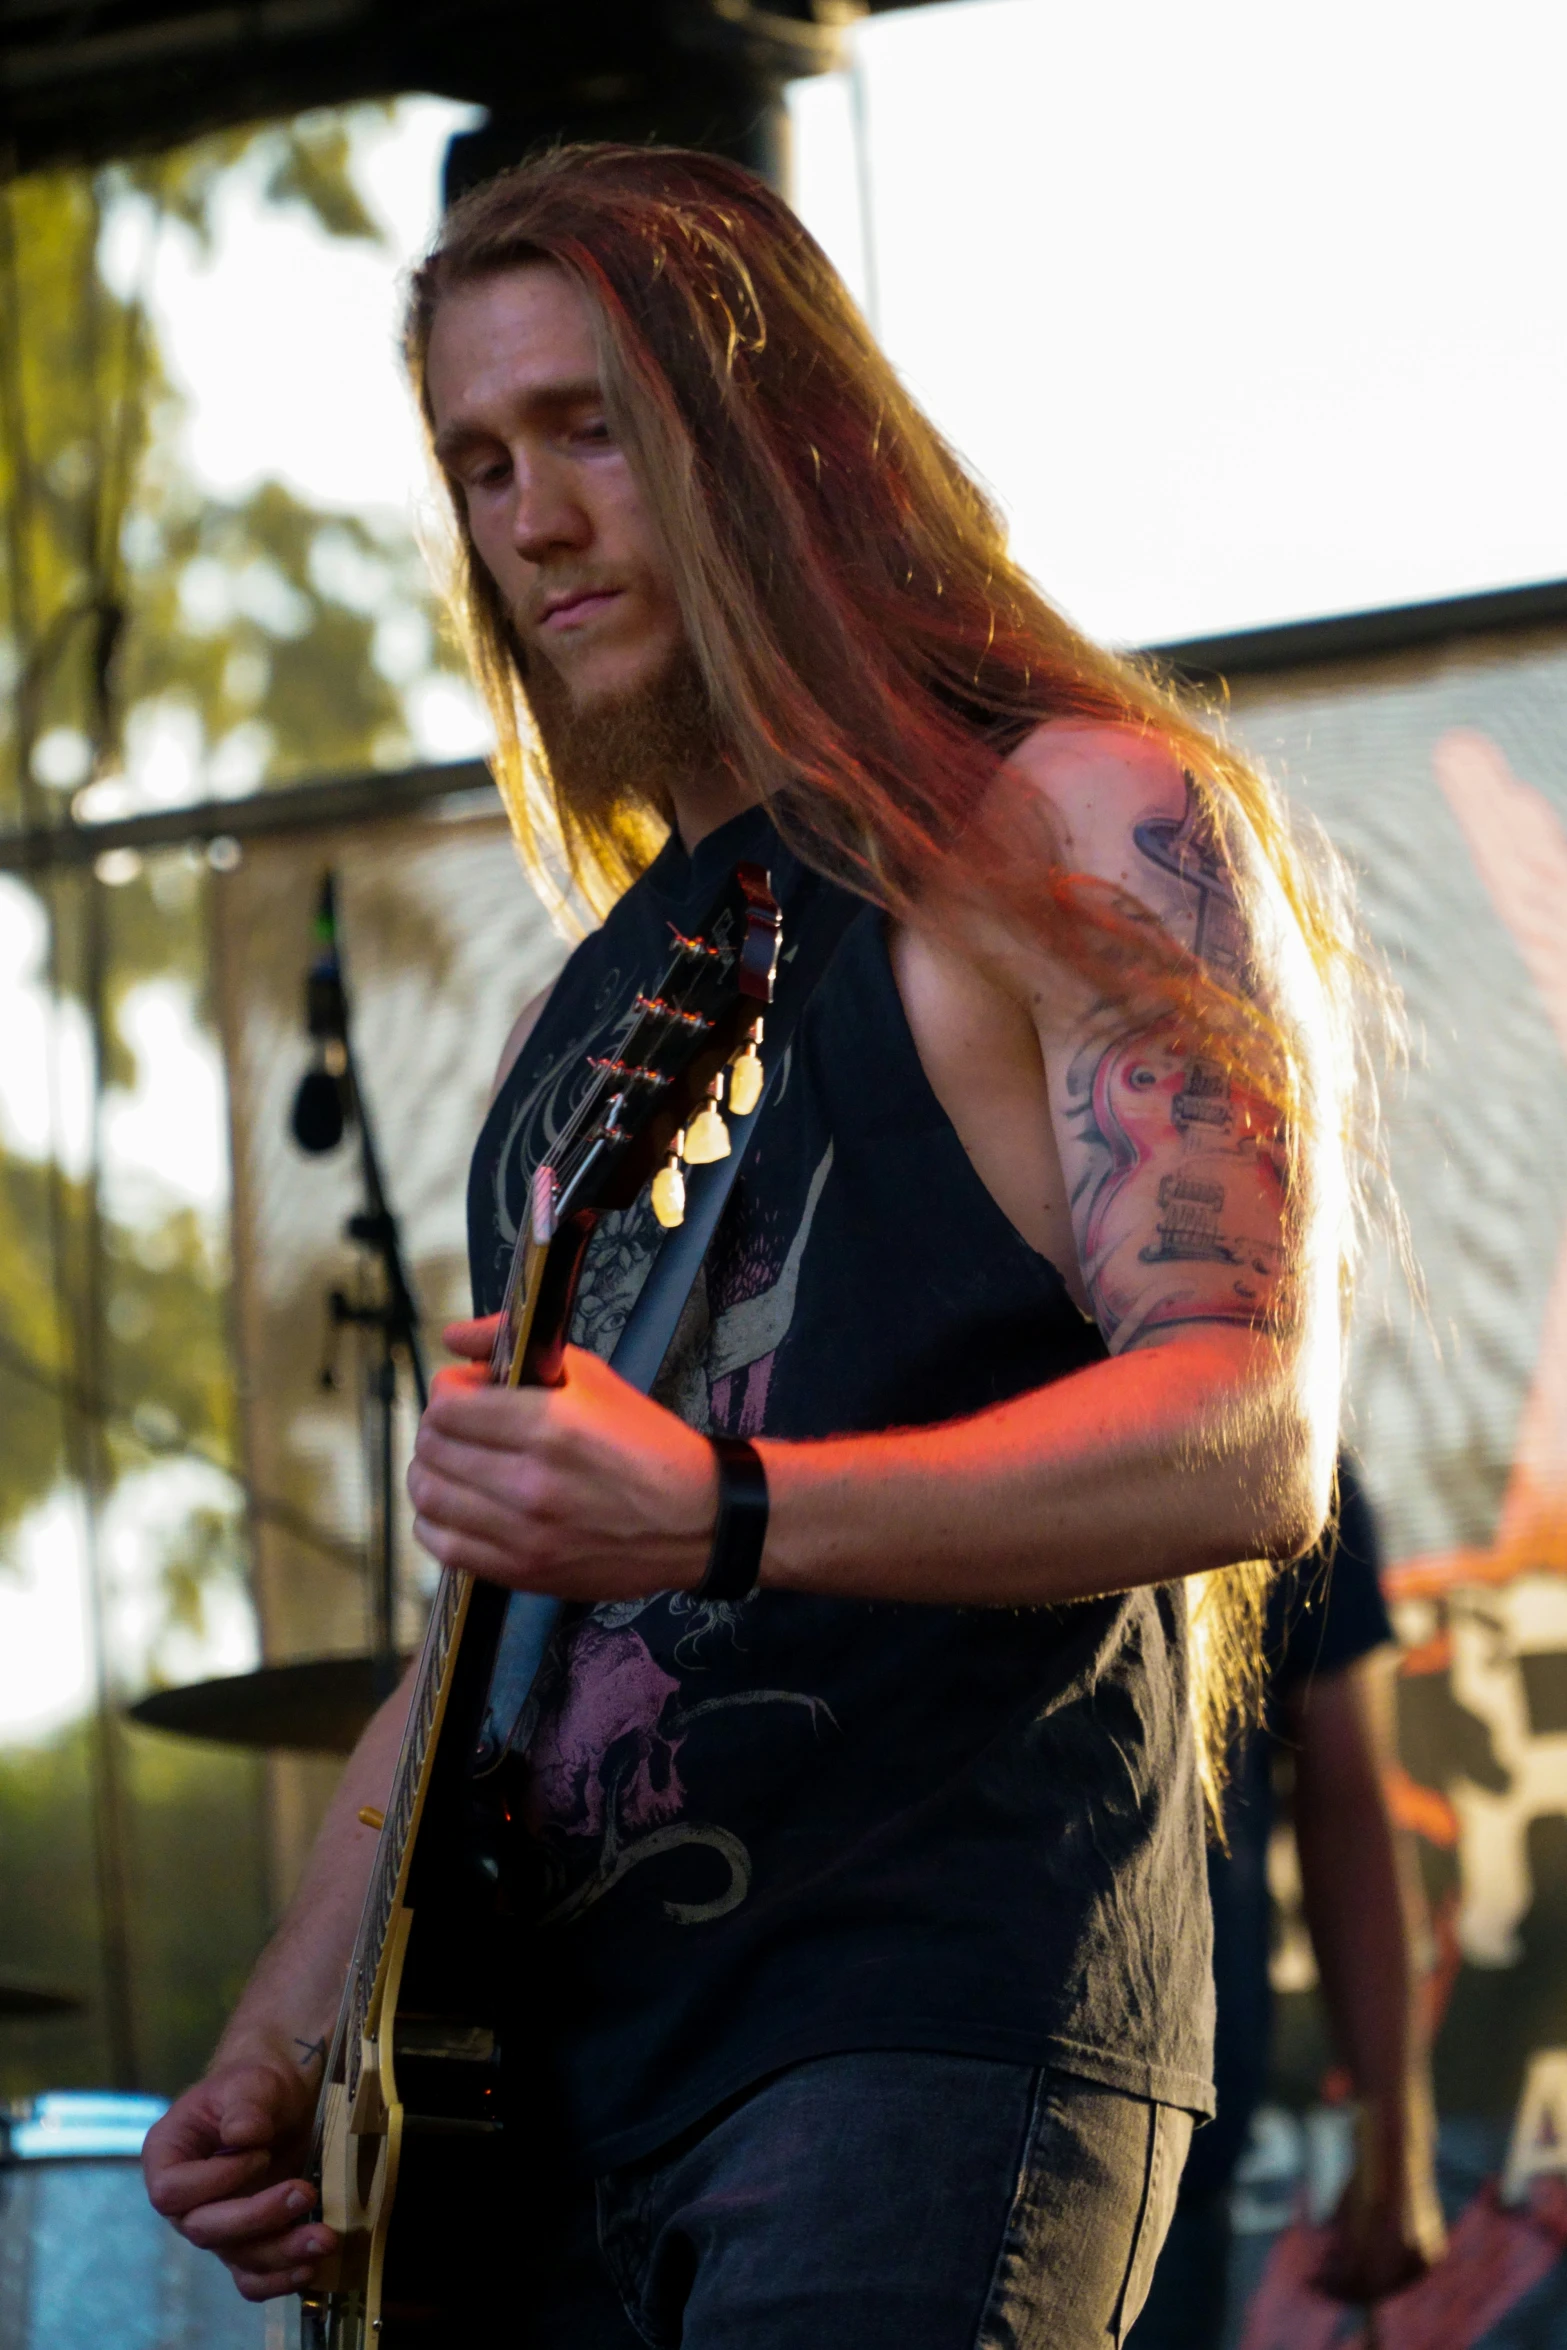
[(531, 1617)]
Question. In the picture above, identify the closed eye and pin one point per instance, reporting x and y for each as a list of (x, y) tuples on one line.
[(485, 473)]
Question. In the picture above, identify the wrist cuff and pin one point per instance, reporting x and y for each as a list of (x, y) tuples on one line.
[(734, 1564)]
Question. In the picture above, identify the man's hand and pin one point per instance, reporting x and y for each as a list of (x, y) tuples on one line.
[(587, 1490), (1387, 2232), (223, 2166)]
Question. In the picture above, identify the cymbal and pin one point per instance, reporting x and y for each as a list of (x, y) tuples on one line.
[(318, 1705), (31, 1999)]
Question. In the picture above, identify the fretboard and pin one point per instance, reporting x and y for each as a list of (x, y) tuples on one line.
[(392, 1851)]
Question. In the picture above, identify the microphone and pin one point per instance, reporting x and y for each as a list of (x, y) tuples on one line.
[(323, 1103)]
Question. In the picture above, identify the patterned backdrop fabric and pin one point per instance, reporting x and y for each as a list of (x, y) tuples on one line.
[(1442, 776)]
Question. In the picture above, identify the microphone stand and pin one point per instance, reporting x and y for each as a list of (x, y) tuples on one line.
[(331, 1097), (374, 1227)]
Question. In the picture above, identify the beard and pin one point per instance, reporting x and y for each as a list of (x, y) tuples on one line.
[(622, 753)]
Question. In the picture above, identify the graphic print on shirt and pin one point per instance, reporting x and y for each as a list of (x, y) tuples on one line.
[(545, 1111), (606, 1793)]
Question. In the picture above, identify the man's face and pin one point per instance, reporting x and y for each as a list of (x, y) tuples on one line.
[(556, 516)]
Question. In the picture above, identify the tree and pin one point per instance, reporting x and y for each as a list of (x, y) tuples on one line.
[(272, 641)]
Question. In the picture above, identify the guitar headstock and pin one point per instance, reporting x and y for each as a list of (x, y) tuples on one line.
[(657, 1096)]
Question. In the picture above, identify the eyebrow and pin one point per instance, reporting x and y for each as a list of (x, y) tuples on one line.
[(575, 392)]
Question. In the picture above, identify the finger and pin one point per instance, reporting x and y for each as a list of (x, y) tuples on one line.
[(276, 2256), (504, 1418), (214, 2118), (259, 2285), (177, 2187), (248, 2114), (474, 1338), (245, 2221), (514, 1477), (464, 1506), (463, 1379), (465, 1554), (583, 1368)]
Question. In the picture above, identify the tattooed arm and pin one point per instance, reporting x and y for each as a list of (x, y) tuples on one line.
[(1209, 1435), (1119, 1150), (1176, 1172)]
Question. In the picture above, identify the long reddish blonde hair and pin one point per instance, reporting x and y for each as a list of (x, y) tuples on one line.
[(869, 647)]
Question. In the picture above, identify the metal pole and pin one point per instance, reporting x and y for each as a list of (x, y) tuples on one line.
[(111, 1806)]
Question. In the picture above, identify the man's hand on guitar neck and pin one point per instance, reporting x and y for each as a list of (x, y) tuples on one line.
[(225, 2162), (586, 1490)]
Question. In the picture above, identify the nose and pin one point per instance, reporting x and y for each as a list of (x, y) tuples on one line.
[(546, 517)]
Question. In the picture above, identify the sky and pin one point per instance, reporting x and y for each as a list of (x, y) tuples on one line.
[(1245, 314)]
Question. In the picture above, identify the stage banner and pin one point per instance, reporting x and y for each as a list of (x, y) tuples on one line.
[(1441, 774)]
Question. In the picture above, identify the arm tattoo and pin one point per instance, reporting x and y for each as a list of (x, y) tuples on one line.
[(312, 2050), (1190, 849), (1179, 1202), (1182, 1174)]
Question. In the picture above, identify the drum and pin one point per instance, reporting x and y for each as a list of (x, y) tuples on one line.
[(85, 2262)]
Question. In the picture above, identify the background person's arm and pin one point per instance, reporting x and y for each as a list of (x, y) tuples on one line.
[(1362, 1909), (223, 2163)]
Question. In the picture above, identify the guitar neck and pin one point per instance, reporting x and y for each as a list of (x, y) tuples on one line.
[(426, 1706), (535, 1316)]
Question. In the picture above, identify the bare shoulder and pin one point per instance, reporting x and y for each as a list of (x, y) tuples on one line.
[(1126, 811), (1099, 779), (1067, 755), (522, 1028)]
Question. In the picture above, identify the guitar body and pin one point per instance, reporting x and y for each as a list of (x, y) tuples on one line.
[(419, 2148), (413, 2140)]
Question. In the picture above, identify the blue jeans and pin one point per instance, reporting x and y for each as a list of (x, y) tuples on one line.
[(1188, 2298), (872, 2201)]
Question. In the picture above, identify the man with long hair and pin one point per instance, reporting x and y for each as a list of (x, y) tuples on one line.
[(871, 1899)]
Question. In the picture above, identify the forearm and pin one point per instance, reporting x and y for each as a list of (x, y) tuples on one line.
[(1349, 1884), (1359, 1905), (289, 2005), (1160, 1463)]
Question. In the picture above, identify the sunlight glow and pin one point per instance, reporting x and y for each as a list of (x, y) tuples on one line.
[(31, 1122), (166, 1141), (285, 339), (1246, 314), (45, 1644), (165, 1138)]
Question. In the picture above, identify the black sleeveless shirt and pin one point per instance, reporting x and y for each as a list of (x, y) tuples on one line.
[(804, 1825)]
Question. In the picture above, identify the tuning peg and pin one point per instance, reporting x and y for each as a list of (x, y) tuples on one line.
[(707, 1137), (745, 1075), (669, 1189)]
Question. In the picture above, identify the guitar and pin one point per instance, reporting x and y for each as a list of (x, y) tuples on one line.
[(409, 2141)]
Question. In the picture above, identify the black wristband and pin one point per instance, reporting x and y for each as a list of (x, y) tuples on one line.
[(734, 1564)]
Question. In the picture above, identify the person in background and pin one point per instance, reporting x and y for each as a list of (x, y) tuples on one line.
[(1329, 1706)]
